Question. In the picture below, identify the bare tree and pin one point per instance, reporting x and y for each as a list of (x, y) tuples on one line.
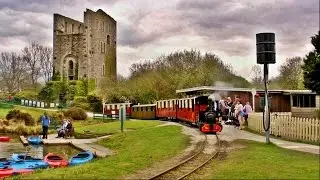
[(46, 63), (32, 56), (257, 75), (12, 72)]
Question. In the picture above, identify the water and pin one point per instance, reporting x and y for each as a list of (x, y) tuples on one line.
[(6, 150)]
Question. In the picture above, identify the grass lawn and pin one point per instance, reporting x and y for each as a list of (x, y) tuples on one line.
[(113, 127), (262, 161), (134, 150), (5, 108)]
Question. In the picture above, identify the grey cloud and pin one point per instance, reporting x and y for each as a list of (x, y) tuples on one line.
[(292, 21)]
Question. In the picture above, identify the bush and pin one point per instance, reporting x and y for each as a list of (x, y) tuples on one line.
[(76, 113), (318, 113), (12, 114), (21, 116), (85, 106), (4, 122), (27, 118), (80, 99), (95, 103)]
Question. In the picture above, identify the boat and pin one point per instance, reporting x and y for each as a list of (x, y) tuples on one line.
[(23, 157), (55, 160), (34, 140), (81, 158), (29, 164), (5, 138), (7, 172)]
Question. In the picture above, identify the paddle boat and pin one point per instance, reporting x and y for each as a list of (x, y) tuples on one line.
[(55, 160), (34, 140), (23, 157), (5, 138), (7, 172), (81, 158)]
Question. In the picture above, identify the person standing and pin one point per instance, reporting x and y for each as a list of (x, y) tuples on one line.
[(45, 125), (247, 109), (239, 113)]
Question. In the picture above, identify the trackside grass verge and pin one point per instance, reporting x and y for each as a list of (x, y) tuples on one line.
[(265, 161), (114, 127), (134, 150)]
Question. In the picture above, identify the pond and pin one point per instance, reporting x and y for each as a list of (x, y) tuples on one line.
[(6, 150)]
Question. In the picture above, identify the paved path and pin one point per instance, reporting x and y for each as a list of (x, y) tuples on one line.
[(82, 144), (231, 133)]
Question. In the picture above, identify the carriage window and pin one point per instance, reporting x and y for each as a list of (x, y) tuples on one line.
[(187, 103), (151, 108), (192, 104), (164, 104), (173, 105)]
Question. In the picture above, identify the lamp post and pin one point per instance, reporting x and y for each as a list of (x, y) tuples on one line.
[(266, 54)]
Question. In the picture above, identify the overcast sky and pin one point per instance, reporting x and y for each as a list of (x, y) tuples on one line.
[(150, 28)]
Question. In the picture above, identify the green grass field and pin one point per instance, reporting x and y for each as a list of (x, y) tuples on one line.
[(134, 150), (5, 108), (262, 161), (113, 127)]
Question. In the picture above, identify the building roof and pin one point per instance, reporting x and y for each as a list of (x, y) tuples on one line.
[(214, 88)]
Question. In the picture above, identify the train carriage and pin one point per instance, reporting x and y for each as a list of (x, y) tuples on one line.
[(145, 111), (112, 110), (166, 109)]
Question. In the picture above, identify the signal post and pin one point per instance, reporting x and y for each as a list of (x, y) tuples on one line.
[(266, 54)]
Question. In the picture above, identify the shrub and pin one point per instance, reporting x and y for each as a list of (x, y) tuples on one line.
[(318, 113), (27, 118), (85, 106), (4, 122), (80, 99), (21, 116), (76, 113), (12, 114)]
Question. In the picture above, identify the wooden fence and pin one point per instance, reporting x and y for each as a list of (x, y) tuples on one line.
[(38, 104), (305, 129)]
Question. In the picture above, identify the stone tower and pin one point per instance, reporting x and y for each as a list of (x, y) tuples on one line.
[(85, 49)]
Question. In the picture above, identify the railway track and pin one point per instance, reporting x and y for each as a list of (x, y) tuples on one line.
[(191, 164)]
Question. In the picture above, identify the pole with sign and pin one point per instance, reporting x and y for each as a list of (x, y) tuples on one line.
[(266, 54)]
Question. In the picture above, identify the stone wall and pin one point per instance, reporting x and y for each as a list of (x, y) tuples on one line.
[(91, 44)]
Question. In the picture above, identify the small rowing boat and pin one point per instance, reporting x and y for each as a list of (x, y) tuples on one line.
[(81, 158), (55, 160), (5, 138), (34, 140)]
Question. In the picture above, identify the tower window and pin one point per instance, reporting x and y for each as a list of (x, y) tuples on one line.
[(79, 28), (66, 27), (104, 47), (101, 47), (108, 40), (103, 26), (103, 69), (72, 28)]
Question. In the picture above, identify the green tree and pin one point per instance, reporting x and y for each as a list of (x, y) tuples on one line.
[(291, 74), (311, 66)]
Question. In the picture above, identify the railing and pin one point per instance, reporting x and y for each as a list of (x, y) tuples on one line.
[(38, 104), (305, 129)]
